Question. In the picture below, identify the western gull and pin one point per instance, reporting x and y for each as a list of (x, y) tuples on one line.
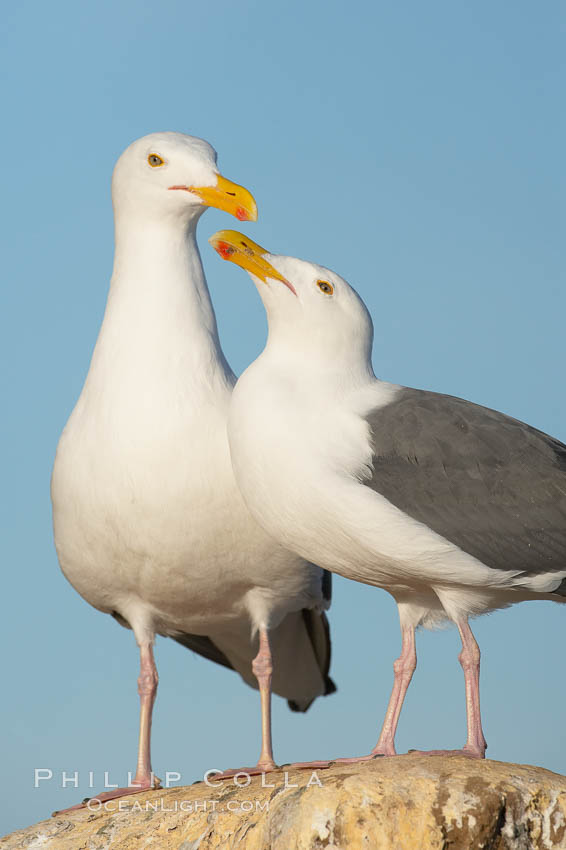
[(149, 523), (453, 508)]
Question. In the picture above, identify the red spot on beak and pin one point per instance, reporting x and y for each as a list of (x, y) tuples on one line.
[(241, 214), (224, 250)]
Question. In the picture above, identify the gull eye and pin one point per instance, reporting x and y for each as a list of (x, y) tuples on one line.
[(325, 287), (155, 161)]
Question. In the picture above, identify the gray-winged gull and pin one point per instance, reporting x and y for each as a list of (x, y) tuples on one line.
[(149, 523), (453, 508)]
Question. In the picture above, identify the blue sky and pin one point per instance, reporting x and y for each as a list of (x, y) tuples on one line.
[(415, 148)]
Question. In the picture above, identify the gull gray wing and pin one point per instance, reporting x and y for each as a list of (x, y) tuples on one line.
[(327, 588), (204, 646), (197, 643), (318, 631), (490, 484), (316, 637)]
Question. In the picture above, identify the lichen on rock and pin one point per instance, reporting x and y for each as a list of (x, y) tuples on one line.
[(411, 802)]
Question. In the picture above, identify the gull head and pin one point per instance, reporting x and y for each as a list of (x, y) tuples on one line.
[(312, 312), (174, 175)]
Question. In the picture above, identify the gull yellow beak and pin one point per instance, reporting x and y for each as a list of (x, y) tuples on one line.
[(226, 196), (239, 249)]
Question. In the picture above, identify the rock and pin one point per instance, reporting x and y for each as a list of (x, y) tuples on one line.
[(412, 802)]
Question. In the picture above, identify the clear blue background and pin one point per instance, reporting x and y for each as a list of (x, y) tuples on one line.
[(417, 149)]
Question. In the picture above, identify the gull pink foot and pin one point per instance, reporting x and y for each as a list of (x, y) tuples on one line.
[(308, 765), (257, 770), (321, 765), (369, 757), (114, 794), (465, 751)]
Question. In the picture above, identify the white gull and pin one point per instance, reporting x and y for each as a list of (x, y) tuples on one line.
[(149, 524), (453, 508)]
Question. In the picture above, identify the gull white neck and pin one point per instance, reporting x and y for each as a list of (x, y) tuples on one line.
[(159, 324), (157, 267)]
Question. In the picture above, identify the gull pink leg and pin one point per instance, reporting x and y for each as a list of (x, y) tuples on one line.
[(144, 779), (147, 689), (403, 669), (469, 659), (262, 666)]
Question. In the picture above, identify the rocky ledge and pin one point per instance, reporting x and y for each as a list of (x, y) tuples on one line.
[(412, 802)]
